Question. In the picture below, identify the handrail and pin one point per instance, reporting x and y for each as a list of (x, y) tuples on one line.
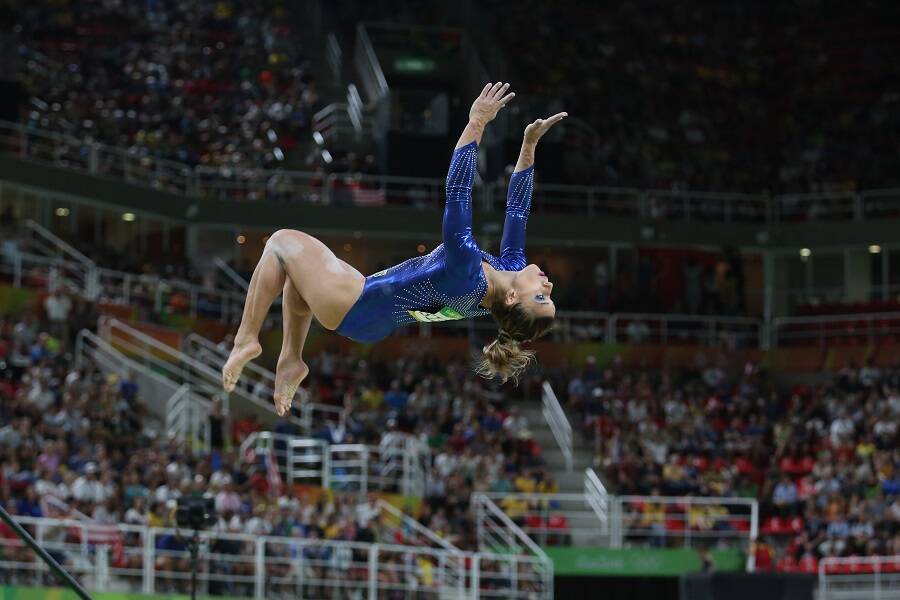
[(60, 243), (359, 567), (408, 521), (308, 410), (596, 496), (86, 338), (350, 467), (199, 181), (483, 504), (879, 583), (110, 326), (233, 275), (558, 422), (45, 556), (365, 43)]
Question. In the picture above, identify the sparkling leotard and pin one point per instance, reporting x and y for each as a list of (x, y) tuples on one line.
[(448, 283)]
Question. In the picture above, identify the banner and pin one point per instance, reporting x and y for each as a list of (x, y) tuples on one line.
[(643, 562), (8, 592)]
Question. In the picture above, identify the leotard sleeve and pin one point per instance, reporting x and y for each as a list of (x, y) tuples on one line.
[(518, 207), (457, 230)]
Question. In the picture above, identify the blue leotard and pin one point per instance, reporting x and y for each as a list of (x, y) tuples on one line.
[(448, 283)]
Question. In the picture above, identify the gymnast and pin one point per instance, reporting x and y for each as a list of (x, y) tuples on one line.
[(456, 280)]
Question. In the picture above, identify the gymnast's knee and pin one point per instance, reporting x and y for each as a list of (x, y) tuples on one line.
[(285, 243)]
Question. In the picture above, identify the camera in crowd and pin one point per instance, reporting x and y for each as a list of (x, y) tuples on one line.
[(196, 512)]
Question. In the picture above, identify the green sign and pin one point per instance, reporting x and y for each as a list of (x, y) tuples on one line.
[(643, 562), (414, 64), (445, 314), (8, 592)]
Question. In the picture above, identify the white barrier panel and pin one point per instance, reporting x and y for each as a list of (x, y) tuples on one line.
[(156, 561), (859, 578)]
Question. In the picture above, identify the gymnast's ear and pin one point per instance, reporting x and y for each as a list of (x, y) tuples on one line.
[(510, 297)]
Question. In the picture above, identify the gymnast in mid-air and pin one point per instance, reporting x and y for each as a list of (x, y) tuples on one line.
[(456, 280)]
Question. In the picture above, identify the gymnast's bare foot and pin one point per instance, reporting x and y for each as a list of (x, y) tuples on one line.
[(289, 374), (241, 354)]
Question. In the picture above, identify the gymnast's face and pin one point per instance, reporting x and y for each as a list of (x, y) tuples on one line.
[(533, 289)]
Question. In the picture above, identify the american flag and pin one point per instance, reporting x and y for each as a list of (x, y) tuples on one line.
[(368, 197), (273, 476), (96, 534)]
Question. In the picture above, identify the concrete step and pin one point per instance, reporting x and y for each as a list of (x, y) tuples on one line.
[(569, 481)]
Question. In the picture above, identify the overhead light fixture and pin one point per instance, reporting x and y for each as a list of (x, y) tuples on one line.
[(241, 239), (62, 211), (874, 249), (805, 252), (128, 217)]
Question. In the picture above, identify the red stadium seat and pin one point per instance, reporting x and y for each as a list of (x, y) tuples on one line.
[(740, 524), (786, 564), (808, 564), (534, 522), (558, 523), (674, 525)]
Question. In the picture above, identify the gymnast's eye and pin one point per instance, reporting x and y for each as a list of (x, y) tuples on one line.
[(539, 297)]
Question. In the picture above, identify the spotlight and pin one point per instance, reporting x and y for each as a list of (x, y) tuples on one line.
[(241, 239), (62, 212), (874, 249), (805, 252), (128, 217)]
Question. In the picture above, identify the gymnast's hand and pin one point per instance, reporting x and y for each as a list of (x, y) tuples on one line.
[(489, 103), (536, 130)]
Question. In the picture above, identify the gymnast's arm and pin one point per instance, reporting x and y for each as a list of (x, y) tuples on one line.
[(518, 197), (457, 229)]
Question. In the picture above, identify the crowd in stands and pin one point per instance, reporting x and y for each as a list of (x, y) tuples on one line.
[(720, 96), (723, 96), (214, 83), (78, 443), (823, 460)]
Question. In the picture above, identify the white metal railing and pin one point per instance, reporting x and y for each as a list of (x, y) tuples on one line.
[(25, 269), (233, 276), (656, 520), (868, 327), (859, 578), (691, 329), (117, 287), (623, 521), (357, 468), (368, 67), (558, 422), (559, 519), (53, 245), (412, 532), (496, 531), (176, 407), (255, 184), (182, 368), (597, 498), (260, 382), (501, 537), (53, 269), (155, 560)]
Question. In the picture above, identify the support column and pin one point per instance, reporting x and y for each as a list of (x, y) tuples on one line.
[(768, 297)]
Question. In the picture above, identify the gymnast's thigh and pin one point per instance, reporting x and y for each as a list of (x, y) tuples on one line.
[(328, 285)]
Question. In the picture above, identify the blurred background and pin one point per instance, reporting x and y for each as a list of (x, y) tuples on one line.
[(715, 413)]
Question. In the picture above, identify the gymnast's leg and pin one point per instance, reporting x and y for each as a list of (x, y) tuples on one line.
[(266, 283), (328, 286), (291, 371)]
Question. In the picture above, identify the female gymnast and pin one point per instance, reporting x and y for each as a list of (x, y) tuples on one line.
[(455, 281)]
